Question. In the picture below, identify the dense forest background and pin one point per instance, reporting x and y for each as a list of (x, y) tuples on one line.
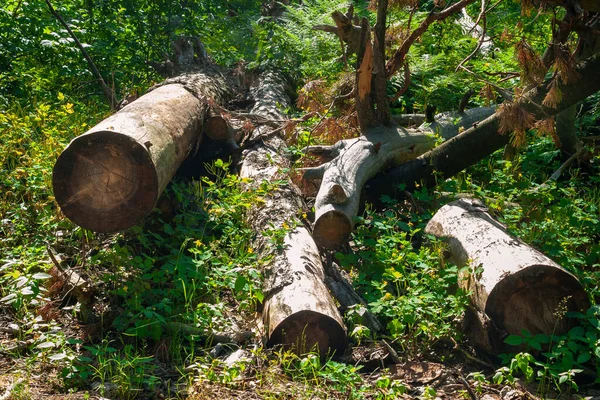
[(146, 322)]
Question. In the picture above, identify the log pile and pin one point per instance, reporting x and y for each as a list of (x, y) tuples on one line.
[(109, 178)]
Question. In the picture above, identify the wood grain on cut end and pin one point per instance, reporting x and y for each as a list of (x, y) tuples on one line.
[(105, 180), (309, 331), (536, 298), (332, 229)]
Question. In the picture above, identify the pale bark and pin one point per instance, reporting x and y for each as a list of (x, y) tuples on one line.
[(514, 285), (479, 141), (298, 310), (110, 177), (408, 120), (470, 27), (354, 161)]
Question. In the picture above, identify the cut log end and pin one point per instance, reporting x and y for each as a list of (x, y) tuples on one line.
[(308, 331), (332, 229), (218, 128), (537, 299), (105, 180), (515, 287)]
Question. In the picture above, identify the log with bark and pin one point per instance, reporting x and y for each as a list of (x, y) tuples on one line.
[(110, 177), (298, 311), (481, 140), (513, 286), (357, 160), (354, 161)]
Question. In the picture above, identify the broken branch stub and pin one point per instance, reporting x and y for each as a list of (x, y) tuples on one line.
[(512, 284), (351, 163), (110, 177)]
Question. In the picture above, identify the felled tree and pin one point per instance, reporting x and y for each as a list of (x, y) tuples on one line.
[(351, 163)]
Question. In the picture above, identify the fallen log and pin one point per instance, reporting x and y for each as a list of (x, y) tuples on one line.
[(298, 313), (110, 177), (512, 284), (354, 161), (479, 141)]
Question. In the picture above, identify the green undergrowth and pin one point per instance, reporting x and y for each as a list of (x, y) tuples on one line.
[(283, 374), (403, 276), (160, 289)]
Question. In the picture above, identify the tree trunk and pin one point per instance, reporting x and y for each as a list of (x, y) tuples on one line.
[(566, 129), (298, 310), (353, 162), (514, 285), (110, 177), (479, 141)]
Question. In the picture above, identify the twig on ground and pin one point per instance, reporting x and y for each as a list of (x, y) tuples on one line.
[(212, 337), (9, 389), (465, 383)]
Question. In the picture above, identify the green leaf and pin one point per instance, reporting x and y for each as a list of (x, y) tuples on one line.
[(576, 332), (573, 346), (513, 340), (584, 357), (526, 333), (240, 283), (535, 344), (542, 338), (168, 229)]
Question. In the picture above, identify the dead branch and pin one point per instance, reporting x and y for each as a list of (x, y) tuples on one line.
[(107, 92), (407, 82), (394, 64), (482, 139)]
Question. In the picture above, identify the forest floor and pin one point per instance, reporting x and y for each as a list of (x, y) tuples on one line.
[(367, 370)]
